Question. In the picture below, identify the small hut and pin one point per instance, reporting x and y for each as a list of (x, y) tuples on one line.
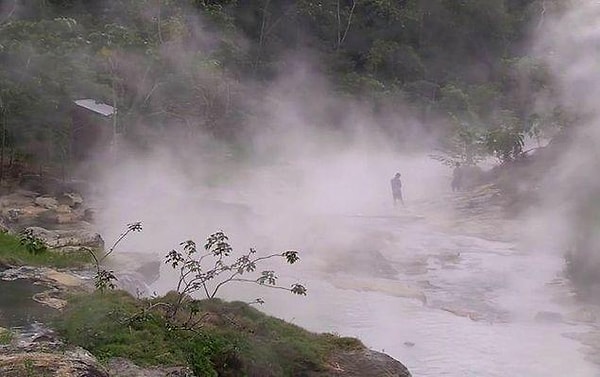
[(93, 128)]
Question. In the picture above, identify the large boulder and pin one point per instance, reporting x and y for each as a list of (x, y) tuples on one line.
[(46, 202), (365, 363), (64, 238), (70, 199)]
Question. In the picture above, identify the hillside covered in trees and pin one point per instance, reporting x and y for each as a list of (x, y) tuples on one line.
[(459, 69)]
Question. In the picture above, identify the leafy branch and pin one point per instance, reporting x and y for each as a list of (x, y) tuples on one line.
[(196, 274), (104, 279)]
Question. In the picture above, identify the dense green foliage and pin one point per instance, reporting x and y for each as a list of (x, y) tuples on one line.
[(14, 252), (196, 66), (234, 339)]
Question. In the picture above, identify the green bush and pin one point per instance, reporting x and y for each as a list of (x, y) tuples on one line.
[(32, 244)]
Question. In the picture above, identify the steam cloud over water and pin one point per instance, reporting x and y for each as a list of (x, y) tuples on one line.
[(307, 154), (282, 201), (311, 155), (568, 42)]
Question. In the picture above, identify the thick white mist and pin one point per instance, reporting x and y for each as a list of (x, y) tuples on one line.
[(294, 203), (568, 42), (310, 158)]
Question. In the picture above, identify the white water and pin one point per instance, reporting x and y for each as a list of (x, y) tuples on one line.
[(501, 286), (497, 288)]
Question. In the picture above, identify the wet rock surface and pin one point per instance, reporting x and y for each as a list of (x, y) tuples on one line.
[(44, 286), (25, 208), (37, 351), (49, 277), (125, 368), (46, 202), (365, 363), (65, 364)]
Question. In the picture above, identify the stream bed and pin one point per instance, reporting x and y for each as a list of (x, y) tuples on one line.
[(457, 305)]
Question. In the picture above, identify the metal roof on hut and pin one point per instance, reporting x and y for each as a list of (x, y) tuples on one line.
[(97, 107)]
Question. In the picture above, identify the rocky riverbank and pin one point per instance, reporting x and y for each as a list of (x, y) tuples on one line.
[(86, 333)]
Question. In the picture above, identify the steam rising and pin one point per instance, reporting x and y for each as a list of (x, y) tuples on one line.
[(289, 192), (306, 157), (568, 42)]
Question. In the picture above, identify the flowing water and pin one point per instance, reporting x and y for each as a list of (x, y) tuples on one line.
[(445, 289), (17, 308), (445, 303)]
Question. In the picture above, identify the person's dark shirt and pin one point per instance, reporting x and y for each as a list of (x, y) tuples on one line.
[(396, 185), (457, 173)]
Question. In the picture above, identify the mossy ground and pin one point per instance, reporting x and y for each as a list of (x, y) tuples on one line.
[(6, 336), (12, 253), (233, 340)]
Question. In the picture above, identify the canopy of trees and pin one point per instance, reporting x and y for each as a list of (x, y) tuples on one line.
[(189, 65)]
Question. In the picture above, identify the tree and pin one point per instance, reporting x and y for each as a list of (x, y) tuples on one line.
[(505, 140), (465, 145)]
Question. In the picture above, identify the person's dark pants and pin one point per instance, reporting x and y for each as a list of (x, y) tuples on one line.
[(455, 185), (398, 197)]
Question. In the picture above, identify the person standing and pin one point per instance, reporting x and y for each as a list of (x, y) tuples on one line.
[(457, 176), (397, 189)]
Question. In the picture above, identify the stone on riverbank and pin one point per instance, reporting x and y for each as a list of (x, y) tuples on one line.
[(46, 202), (67, 364), (125, 368), (65, 238), (365, 363)]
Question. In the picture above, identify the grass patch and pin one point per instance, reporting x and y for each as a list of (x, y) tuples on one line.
[(99, 323), (273, 347), (235, 339), (14, 254), (6, 336)]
